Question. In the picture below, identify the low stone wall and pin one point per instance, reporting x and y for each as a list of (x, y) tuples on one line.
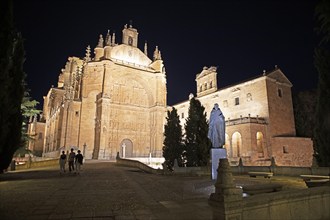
[(177, 170), (243, 170), (228, 203), (154, 162), (236, 170), (37, 164), (138, 164), (282, 171), (311, 203)]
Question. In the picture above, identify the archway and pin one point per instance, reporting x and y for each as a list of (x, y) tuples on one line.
[(260, 147), (236, 144), (126, 148)]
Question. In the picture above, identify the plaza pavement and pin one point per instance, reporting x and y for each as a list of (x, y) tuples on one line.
[(105, 190)]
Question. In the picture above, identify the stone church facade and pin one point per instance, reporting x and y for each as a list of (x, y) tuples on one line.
[(259, 118), (114, 102)]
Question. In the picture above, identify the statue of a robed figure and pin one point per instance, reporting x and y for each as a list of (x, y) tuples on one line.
[(217, 127), (217, 136)]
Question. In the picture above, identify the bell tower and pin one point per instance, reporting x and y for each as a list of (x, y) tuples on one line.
[(207, 81), (130, 36)]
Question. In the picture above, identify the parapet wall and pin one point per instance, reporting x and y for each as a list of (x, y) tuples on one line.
[(138, 164), (282, 170), (241, 170), (311, 203), (236, 170), (36, 164), (228, 202)]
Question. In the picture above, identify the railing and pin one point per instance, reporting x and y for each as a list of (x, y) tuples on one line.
[(244, 120)]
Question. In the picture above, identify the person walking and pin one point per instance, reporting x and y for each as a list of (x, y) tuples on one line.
[(79, 161), (62, 162), (72, 156)]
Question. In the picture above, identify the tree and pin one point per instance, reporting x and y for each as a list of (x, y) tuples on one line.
[(322, 64), (304, 104), (197, 144), (11, 84), (173, 146), (28, 109)]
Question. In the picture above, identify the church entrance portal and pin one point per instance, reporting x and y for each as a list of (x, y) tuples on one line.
[(126, 148)]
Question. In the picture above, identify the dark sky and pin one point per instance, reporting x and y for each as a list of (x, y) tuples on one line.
[(242, 38)]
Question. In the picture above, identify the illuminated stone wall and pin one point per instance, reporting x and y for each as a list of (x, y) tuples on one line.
[(256, 111), (114, 102), (36, 130)]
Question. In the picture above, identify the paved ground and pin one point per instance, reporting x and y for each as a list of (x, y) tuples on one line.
[(106, 191)]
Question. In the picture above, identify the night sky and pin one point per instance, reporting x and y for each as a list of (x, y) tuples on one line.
[(242, 38)]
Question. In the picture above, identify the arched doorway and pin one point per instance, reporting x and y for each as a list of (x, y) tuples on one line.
[(236, 144), (260, 147), (126, 148)]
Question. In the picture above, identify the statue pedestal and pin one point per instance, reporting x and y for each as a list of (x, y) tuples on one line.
[(216, 155), (227, 199)]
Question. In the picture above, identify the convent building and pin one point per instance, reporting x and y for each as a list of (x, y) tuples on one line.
[(259, 118)]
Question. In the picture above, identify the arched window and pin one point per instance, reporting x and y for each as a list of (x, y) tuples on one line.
[(211, 84), (200, 88), (130, 41), (205, 86), (236, 144), (260, 147)]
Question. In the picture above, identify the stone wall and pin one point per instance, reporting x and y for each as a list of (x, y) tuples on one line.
[(138, 164), (228, 201), (36, 130), (36, 164), (311, 203), (281, 170), (292, 151)]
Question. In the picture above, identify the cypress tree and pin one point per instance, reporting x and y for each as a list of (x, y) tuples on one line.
[(173, 147), (197, 144), (322, 64), (11, 84), (204, 143)]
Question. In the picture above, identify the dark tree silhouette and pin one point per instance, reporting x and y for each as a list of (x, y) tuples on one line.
[(304, 104), (173, 145), (197, 144), (11, 84), (322, 64)]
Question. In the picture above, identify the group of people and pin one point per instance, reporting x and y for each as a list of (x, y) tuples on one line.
[(74, 160)]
